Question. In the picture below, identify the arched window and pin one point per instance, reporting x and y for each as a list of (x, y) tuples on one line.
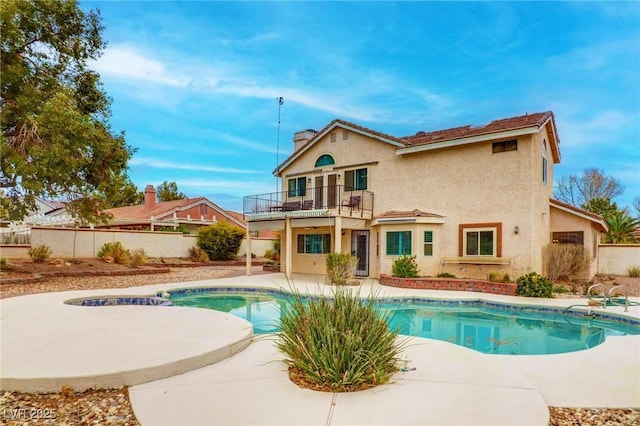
[(325, 160)]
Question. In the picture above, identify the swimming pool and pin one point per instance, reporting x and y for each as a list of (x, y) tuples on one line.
[(487, 327)]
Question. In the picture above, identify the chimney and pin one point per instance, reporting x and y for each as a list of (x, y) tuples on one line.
[(149, 197), (302, 137)]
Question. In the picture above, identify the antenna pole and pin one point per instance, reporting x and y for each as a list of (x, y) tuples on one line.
[(280, 102)]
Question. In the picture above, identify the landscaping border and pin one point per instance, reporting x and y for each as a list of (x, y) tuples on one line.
[(64, 274), (453, 284)]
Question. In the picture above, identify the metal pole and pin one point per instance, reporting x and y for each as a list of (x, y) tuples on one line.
[(280, 102)]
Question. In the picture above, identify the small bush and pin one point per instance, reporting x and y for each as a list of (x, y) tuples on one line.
[(445, 275), (3, 264), (634, 271), (405, 267), (341, 267), (563, 260), (138, 257), (116, 251), (498, 277), (534, 285), (220, 241), (39, 253), (196, 254), (338, 343)]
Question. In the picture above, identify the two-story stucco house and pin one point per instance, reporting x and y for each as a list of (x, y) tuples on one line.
[(468, 200)]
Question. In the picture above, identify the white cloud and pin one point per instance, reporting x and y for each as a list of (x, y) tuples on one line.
[(127, 63), (236, 186), (162, 164)]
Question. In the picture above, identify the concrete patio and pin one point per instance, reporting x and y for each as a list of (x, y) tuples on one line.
[(196, 366)]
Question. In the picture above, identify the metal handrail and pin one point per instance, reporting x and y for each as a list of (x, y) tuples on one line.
[(626, 297), (602, 302)]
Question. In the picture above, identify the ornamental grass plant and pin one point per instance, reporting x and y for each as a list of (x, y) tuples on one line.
[(337, 343)]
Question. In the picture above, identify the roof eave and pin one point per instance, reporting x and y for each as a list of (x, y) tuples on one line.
[(323, 133), (530, 130)]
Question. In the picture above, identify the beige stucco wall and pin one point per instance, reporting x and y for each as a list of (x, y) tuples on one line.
[(14, 251), (466, 184), (616, 259), (562, 221), (79, 243)]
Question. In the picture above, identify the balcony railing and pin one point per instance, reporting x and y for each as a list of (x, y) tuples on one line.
[(325, 200)]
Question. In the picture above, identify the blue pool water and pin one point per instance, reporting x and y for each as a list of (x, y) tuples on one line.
[(483, 326)]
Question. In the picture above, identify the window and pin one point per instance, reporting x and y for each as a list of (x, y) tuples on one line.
[(479, 243), (428, 243), (314, 243), (575, 237), (398, 243), (544, 170), (297, 187), (355, 179), (503, 146), (325, 160)]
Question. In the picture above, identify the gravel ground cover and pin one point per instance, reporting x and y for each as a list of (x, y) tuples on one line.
[(112, 406)]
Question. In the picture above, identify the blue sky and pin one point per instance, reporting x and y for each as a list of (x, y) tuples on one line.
[(195, 84)]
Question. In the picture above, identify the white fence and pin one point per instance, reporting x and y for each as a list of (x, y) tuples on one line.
[(616, 259), (71, 243)]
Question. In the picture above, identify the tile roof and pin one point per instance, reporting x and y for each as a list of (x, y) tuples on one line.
[(410, 213), (528, 120), (140, 212)]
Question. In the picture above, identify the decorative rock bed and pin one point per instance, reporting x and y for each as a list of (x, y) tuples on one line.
[(453, 284)]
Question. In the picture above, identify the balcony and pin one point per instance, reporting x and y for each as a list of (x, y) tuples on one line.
[(321, 201)]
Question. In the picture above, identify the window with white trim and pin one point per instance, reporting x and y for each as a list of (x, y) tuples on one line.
[(544, 170), (297, 187), (428, 243), (480, 242), (314, 243), (398, 243)]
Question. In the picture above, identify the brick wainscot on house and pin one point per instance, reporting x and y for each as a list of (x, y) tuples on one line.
[(468, 200)]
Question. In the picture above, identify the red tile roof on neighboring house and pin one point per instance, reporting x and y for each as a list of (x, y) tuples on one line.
[(512, 123), (140, 212), (410, 213)]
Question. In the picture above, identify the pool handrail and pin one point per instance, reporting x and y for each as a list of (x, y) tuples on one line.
[(602, 302), (626, 297)]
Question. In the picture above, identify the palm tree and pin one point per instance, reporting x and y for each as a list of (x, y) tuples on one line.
[(622, 228)]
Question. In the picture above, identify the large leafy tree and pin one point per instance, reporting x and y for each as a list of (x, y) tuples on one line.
[(56, 139), (580, 190), (601, 206), (168, 191)]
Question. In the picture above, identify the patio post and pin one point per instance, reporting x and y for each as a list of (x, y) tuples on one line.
[(288, 248), (337, 238), (248, 253)]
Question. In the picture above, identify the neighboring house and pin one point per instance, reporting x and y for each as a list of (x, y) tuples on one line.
[(468, 200), (188, 213)]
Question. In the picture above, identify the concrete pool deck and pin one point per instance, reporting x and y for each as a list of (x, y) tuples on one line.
[(46, 344)]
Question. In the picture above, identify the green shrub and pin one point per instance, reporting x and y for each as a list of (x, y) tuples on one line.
[(341, 267), (405, 267), (445, 275), (138, 257), (116, 252), (634, 271), (196, 254), (534, 285), (220, 241), (3, 264), (39, 253), (337, 343), (563, 260)]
